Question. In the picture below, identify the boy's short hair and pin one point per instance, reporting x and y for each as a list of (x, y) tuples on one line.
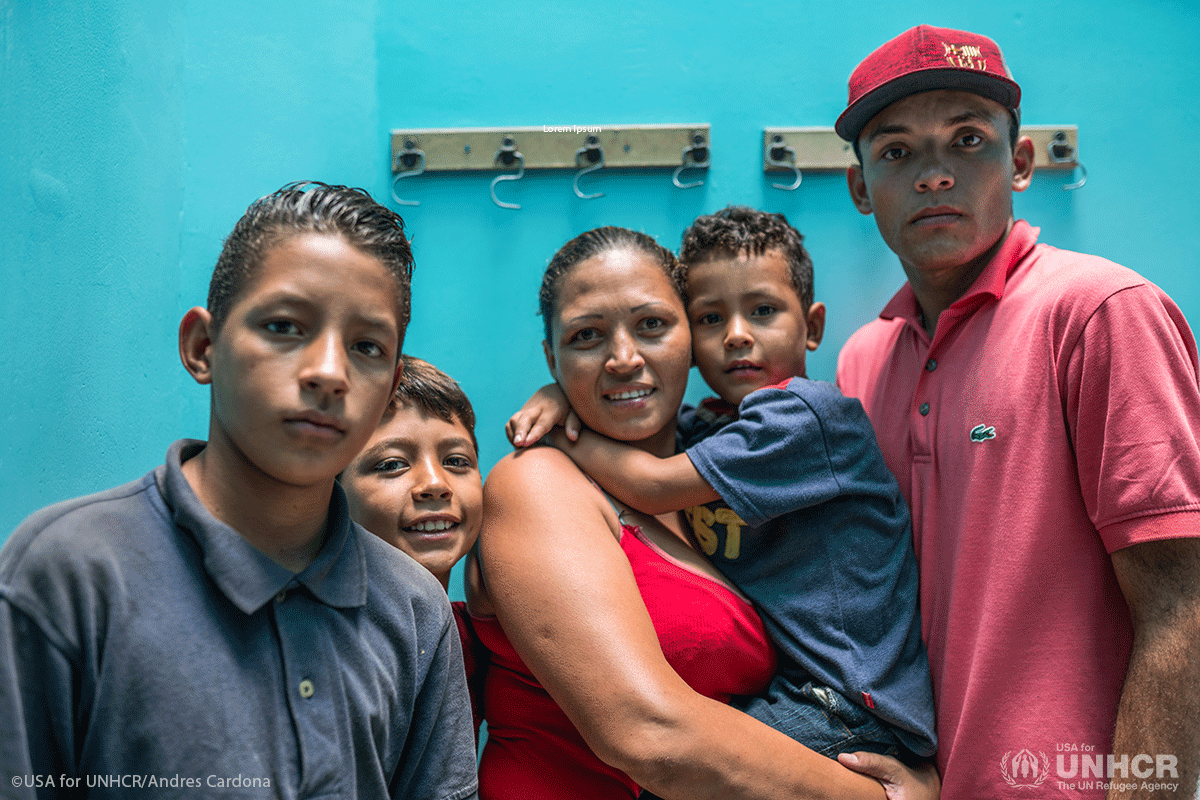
[(741, 230), (310, 207), (428, 388)]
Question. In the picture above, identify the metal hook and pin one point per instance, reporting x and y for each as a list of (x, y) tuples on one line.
[(781, 155), (1082, 178), (595, 154), (408, 157), (507, 154), (1062, 153), (694, 155)]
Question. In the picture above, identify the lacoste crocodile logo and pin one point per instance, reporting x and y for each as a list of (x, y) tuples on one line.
[(981, 433)]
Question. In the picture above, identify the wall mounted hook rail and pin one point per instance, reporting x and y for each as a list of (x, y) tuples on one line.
[(652, 146), (802, 150)]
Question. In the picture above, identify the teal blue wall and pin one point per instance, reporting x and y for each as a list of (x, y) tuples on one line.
[(132, 139)]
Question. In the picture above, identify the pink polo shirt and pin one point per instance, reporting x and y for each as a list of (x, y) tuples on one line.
[(1052, 420)]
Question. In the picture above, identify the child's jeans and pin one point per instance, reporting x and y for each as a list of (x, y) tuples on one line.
[(822, 720)]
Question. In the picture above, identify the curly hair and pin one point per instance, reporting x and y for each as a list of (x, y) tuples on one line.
[(592, 243), (310, 207), (739, 230)]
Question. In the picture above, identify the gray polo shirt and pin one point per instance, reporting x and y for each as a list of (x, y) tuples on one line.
[(147, 650)]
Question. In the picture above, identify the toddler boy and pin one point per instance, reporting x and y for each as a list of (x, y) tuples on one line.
[(221, 626), (788, 495)]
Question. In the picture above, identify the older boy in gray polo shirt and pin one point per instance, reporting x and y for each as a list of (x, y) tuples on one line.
[(220, 627)]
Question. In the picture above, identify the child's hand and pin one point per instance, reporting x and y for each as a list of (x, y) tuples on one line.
[(541, 413)]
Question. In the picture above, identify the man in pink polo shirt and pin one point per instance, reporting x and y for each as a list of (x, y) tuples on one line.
[(1040, 410)]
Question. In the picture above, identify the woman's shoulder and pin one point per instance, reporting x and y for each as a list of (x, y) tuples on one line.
[(539, 483), (540, 466)]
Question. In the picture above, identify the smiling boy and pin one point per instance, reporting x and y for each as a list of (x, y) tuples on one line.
[(417, 486), (222, 622), (1039, 409)]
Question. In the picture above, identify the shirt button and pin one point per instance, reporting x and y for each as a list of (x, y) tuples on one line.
[(931, 365), (306, 688), (279, 598), (924, 409)]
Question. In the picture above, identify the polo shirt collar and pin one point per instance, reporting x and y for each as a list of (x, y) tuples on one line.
[(338, 575), (1021, 239), (246, 575)]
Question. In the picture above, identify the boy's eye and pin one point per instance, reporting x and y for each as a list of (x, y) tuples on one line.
[(893, 154), (369, 349), (764, 310), (711, 318), (459, 462), (283, 327), (390, 465), (970, 140)]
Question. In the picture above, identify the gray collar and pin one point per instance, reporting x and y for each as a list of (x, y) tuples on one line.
[(244, 574)]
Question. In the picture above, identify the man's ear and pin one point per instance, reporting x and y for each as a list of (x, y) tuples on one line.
[(858, 188), (1023, 155), (815, 320), (195, 344), (549, 351)]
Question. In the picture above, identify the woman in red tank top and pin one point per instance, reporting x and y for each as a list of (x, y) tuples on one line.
[(614, 644)]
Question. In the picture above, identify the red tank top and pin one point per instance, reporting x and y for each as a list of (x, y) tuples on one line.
[(533, 750), (475, 660)]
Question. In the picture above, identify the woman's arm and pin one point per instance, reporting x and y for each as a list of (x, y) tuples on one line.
[(566, 597)]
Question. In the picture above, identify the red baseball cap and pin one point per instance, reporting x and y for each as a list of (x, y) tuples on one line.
[(919, 60)]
